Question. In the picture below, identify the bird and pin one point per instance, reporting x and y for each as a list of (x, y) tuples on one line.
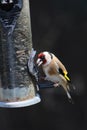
[(54, 71)]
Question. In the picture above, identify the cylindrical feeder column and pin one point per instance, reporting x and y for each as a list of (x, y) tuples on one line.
[(16, 86)]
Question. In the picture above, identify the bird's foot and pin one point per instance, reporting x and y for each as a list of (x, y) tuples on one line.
[(56, 85), (42, 78), (46, 78)]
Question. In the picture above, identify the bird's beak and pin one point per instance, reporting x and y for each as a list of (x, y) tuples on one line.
[(39, 62)]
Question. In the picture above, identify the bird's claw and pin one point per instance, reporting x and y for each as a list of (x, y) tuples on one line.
[(41, 78), (56, 85)]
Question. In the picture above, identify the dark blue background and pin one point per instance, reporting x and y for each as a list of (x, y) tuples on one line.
[(59, 26)]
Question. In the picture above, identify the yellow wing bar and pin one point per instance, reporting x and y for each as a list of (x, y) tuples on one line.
[(66, 77)]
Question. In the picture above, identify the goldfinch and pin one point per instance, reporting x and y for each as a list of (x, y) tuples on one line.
[(54, 70)]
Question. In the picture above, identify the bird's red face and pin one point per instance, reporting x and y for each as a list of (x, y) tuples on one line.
[(41, 59)]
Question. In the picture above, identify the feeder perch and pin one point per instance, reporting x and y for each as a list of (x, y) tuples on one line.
[(16, 85)]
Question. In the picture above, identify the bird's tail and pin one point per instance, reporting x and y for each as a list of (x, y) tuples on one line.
[(70, 98), (67, 89), (68, 94)]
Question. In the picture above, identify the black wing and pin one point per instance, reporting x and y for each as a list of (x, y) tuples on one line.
[(64, 74)]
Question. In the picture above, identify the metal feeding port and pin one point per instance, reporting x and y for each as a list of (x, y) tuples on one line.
[(6, 1), (16, 86)]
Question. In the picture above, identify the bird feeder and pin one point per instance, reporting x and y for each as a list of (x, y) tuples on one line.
[(16, 85)]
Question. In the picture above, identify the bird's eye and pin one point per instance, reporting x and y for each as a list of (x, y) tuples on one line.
[(42, 57)]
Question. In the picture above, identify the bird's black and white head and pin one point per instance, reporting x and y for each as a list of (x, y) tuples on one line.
[(44, 58)]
